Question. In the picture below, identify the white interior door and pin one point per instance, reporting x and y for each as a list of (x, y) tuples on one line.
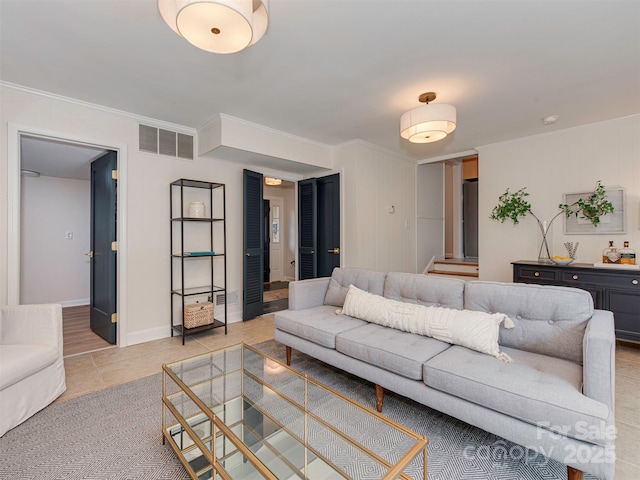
[(276, 232)]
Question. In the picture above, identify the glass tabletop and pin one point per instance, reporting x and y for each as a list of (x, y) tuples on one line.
[(237, 413)]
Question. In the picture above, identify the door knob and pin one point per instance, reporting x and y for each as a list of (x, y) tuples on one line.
[(334, 250), (89, 254)]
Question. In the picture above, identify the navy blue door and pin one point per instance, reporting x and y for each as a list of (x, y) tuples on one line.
[(328, 224), (103, 247), (318, 226), (307, 238), (253, 258)]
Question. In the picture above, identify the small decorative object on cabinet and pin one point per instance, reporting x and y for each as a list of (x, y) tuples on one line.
[(198, 256), (613, 289)]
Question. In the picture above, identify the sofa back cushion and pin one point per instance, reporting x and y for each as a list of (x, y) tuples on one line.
[(431, 291), (367, 280), (548, 320)]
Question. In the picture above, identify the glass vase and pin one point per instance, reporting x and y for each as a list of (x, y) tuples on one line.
[(545, 239)]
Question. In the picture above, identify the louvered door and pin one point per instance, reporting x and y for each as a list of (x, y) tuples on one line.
[(253, 264)]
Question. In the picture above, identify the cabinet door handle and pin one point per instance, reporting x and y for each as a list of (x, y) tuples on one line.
[(634, 282), (575, 277), (536, 274)]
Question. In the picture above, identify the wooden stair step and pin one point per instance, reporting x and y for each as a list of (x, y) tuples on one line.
[(454, 273)]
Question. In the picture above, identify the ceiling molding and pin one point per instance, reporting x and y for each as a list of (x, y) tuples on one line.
[(387, 151), (270, 130), (132, 116), (450, 156), (560, 132)]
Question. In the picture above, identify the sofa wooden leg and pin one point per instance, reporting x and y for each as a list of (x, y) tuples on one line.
[(573, 473), (379, 397), (289, 356)]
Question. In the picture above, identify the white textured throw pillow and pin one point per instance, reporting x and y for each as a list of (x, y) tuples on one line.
[(475, 330)]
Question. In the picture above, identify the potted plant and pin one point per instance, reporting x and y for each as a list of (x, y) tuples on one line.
[(514, 206)]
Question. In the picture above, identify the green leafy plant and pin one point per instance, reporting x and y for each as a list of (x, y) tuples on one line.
[(590, 208), (514, 206)]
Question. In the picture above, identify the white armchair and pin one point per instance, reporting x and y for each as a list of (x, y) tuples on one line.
[(31, 364)]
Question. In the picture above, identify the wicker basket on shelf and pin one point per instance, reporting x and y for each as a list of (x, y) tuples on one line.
[(198, 314)]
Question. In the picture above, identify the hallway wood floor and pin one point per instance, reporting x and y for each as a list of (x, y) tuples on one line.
[(77, 336)]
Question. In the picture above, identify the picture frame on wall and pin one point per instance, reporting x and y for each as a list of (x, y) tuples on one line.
[(611, 223)]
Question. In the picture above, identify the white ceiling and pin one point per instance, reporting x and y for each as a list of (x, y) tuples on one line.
[(332, 71)]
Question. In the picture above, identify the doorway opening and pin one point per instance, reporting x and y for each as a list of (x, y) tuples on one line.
[(319, 226), (461, 219), (447, 217), (54, 235), (279, 244), (269, 243)]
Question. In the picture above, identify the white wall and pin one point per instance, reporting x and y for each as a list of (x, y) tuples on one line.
[(448, 210), (430, 209), (550, 165), (147, 210), (373, 180), (54, 269)]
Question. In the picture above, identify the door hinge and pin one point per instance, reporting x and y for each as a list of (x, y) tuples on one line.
[(114, 246), (114, 174), (114, 318)]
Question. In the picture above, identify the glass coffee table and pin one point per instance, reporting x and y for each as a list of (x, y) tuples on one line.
[(237, 413)]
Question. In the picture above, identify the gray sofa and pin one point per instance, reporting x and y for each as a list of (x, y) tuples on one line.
[(556, 397)]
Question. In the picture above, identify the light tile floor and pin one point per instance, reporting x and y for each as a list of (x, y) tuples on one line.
[(94, 371)]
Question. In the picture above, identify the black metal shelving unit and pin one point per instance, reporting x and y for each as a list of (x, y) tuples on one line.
[(216, 287)]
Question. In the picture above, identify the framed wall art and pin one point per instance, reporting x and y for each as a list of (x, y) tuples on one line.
[(611, 223)]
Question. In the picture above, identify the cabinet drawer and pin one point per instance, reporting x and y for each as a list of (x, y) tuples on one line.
[(630, 281), (536, 274)]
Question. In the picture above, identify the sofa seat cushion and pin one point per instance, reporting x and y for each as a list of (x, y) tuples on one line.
[(535, 388), (394, 350), (318, 324), (17, 362)]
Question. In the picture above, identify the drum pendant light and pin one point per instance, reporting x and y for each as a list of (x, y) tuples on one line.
[(428, 123), (220, 26)]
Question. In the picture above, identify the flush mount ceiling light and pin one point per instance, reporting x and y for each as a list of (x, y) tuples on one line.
[(272, 181), (220, 26), (428, 123)]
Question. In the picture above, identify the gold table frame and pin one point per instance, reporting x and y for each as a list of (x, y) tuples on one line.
[(205, 449)]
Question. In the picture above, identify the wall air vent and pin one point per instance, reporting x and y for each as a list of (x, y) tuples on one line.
[(231, 298), (165, 142)]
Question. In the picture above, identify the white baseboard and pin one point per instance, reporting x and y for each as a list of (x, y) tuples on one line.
[(158, 333), (149, 335), (74, 303), (289, 279)]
